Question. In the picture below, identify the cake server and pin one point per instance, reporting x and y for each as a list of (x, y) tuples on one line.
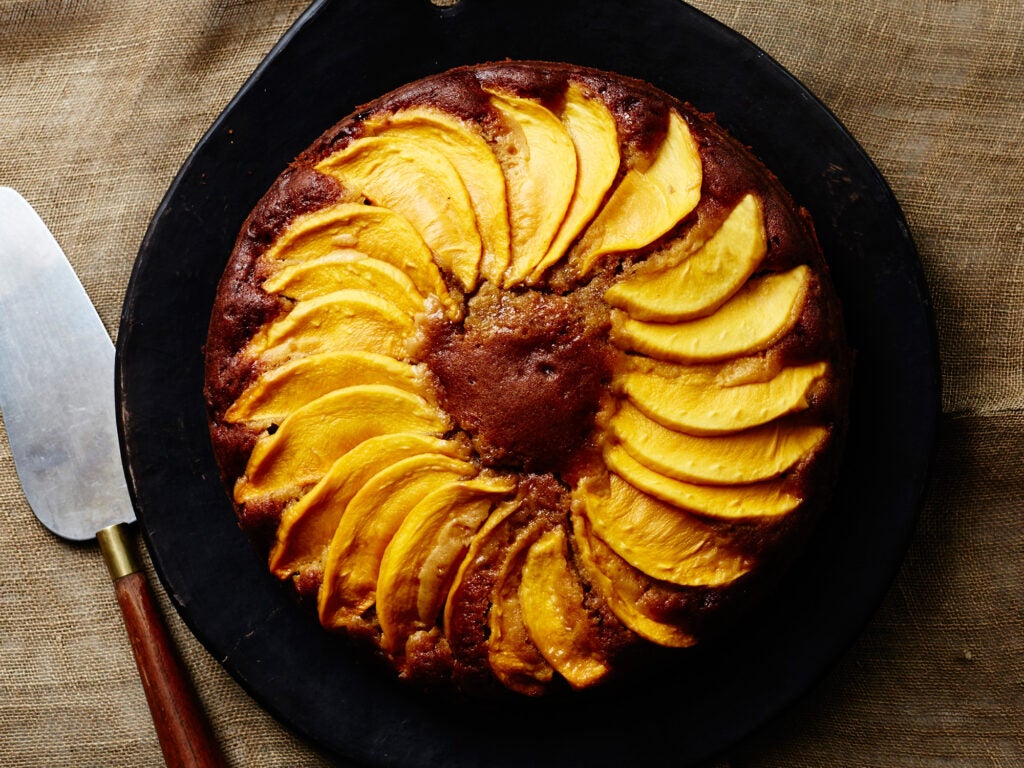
[(57, 402)]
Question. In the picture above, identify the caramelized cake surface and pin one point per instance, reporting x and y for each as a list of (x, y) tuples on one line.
[(522, 366)]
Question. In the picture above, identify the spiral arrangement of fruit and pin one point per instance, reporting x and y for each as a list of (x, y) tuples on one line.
[(532, 386)]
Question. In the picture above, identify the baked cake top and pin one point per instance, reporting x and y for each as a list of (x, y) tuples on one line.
[(522, 365)]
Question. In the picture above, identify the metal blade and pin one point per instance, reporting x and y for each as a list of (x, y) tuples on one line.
[(56, 382)]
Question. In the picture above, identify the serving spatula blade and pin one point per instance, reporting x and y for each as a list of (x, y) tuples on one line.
[(56, 382), (57, 402)]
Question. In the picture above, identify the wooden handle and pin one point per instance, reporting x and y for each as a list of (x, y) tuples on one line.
[(185, 736)]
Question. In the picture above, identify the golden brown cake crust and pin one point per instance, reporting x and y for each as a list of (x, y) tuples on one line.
[(550, 354), (550, 350)]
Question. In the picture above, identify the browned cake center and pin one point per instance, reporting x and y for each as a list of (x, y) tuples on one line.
[(524, 375)]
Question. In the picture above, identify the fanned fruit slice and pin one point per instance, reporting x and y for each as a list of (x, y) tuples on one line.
[(760, 500), (551, 597), (700, 284), (285, 389), (482, 618), (623, 588), (593, 132), (539, 161), (352, 562), (348, 319), (377, 232), (647, 203), (475, 163), (312, 438), (417, 182), (347, 269), (421, 560), (511, 652), (307, 527), (761, 313), (742, 457), (660, 539), (693, 400)]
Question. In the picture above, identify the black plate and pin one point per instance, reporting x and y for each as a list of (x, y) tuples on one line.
[(342, 54)]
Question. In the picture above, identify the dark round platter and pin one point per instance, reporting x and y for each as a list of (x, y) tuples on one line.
[(342, 54)]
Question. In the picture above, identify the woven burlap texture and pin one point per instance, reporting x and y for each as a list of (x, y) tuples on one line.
[(101, 102)]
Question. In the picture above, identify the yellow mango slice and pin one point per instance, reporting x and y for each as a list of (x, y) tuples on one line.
[(623, 587), (344, 320), (475, 163), (744, 457), (307, 527), (700, 284), (420, 562), (479, 541), (594, 135), (647, 203), (312, 438), (347, 269), (540, 172), (510, 653), (769, 499), (285, 389), (689, 405), (659, 539), (551, 598), (369, 229), (352, 562), (760, 314), (512, 656), (415, 181)]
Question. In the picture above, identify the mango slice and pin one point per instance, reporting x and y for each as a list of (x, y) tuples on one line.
[(540, 173), (344, 320), (480, 541), (475, 163), (744, 457), (700, 284), (512, 656), (347, 269), (377, 232), (285, 389), (761, 500), (307, 527), (352, 562), (420, 562), (659, 539), (687, 405), (647, 203), (415, 181), (494, 558), (551, 598), (592, 128), (312, 438), (760, 314), (623, 587)]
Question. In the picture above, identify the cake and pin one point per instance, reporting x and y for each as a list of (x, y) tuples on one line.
[(522, 369)]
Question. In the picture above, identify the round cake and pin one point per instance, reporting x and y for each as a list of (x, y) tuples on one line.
[(523, 368)]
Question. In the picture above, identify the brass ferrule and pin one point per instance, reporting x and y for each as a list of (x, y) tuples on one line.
[(118, 551)]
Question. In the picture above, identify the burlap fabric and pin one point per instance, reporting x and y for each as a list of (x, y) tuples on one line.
[(100, 102)]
